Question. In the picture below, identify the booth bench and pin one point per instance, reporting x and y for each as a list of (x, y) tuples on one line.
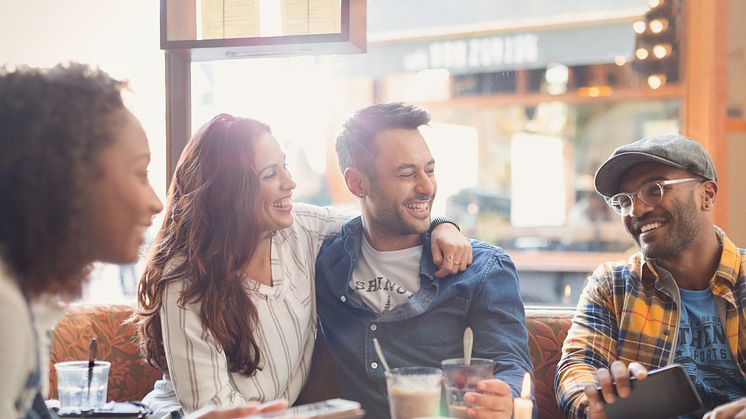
[(131, 378)]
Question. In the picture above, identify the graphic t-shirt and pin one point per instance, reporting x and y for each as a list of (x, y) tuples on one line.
[(383, 280), (703, 351)]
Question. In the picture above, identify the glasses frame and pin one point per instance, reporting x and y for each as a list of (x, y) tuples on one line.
[(633, 195)]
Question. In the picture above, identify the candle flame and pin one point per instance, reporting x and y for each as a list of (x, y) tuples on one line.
[(526, 387)]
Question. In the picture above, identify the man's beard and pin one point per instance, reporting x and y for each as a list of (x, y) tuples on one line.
[(682, 235)]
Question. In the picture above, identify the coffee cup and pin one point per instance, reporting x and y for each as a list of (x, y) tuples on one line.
[(414, 392)]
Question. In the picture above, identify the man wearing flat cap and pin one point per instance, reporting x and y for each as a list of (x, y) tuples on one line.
[(680, 299)]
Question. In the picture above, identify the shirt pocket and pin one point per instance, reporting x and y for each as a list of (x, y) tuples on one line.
[(442, 324)]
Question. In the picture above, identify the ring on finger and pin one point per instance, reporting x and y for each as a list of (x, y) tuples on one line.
[(450, 257)]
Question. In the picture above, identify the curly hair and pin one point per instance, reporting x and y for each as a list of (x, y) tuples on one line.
[(54, 122), (355, 144), (209, 234)]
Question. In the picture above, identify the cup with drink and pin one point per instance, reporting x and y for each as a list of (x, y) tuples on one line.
[(414, 392), (461, 378), (81, 388)]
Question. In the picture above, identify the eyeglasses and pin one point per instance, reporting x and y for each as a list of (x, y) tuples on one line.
[(650, 193)]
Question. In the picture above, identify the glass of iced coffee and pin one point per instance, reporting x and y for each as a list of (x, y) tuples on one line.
[(461, 378), (413, 392)]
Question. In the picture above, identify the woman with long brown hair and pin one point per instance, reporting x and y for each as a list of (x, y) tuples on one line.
[(226, 300)]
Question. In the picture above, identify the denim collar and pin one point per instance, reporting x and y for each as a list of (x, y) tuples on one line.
[(352, 233)]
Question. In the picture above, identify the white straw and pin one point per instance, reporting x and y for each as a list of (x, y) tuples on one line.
[(379, 351)]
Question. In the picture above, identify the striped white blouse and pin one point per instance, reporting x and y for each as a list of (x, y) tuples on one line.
[(287, 316)]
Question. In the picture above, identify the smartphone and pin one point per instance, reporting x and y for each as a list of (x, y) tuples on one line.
[(119, 410), (666, 392), (327, 409)]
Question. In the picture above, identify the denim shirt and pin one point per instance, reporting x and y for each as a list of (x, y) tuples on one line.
[(425, 330)]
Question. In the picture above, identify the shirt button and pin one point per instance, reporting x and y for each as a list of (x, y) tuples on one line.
[(343, 298), (374, 365), (667, 332), (373, 327)]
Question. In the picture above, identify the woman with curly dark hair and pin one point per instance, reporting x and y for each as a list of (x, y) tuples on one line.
[(74, 187), (73, 179), (226, 302)]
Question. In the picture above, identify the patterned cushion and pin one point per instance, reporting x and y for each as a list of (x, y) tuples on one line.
[(131, 378), (547, 329)]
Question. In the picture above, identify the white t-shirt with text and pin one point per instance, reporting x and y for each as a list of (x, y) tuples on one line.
[(383, 280)]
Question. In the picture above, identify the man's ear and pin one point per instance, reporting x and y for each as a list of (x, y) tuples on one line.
[(709, 193), (357, 182)]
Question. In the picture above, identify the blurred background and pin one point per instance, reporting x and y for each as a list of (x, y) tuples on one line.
[(527, 99)]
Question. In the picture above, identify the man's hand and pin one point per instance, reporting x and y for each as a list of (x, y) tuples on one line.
[(735, 409), (237, 412), (614, 383), (495, 400), (451, 250)]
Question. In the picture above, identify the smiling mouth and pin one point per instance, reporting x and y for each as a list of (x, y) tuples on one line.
[(418, 207), (284, 203), (649, 227)]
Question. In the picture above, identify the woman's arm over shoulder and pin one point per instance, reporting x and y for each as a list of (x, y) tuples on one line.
[(197, 366), (322, 221)]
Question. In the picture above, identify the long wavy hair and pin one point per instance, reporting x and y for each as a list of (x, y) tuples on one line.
[(54, 123), (209, 234)]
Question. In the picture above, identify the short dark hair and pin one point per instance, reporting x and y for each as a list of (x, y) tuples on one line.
[(356, 143), (53, 125)]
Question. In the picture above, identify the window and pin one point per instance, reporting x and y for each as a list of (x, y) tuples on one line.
[(122, 39), (526, 104)]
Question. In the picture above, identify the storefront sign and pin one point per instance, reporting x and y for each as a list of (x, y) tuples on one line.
[(475, 53), (596, 44)]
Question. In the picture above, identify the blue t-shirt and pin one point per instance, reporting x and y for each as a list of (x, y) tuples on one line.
[(703, 350)]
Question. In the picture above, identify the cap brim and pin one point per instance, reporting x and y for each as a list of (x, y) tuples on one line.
[(610, 173)]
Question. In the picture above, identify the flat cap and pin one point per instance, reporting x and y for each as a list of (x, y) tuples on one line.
[(672, 150)]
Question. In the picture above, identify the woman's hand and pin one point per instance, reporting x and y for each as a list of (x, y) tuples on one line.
[(451, 250)]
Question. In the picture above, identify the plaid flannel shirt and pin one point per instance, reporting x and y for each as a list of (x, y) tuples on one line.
[(629, 312)]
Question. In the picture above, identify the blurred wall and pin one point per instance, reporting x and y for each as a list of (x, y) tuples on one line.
[(736, 94)]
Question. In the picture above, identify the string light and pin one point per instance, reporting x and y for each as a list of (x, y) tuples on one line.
[(642, 54), (639, 27), (661, 50), (658, 25), (655, 81)]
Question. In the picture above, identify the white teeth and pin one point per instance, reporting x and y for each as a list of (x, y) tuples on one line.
[(418, 207), (648, 227), (283, 203)]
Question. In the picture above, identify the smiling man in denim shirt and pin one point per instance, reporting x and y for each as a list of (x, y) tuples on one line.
[(376, 278)]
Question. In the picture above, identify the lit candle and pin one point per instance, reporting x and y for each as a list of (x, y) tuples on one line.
[(523, 406)]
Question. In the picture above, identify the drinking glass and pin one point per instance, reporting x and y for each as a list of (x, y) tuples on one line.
[(73, 389), (461, 378)]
